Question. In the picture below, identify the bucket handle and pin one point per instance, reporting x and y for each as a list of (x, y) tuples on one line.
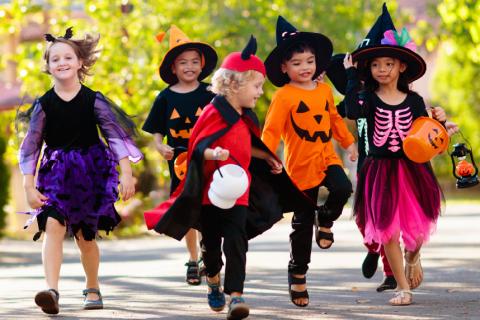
[(218, 167)]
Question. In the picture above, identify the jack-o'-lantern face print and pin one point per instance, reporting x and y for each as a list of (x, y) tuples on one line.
[(181, 124), (310, 124), (435, 138)]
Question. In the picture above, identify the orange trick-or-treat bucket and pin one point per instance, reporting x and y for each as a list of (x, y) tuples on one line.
[(426, 139), (180, 165)]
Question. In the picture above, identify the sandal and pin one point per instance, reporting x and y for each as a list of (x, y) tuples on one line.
[(410, 268), (389, 283), (193, 276), (48, 301), (322, 235), (237, 309), (294, 295), (402, 298), (92, 304), (216, 297)]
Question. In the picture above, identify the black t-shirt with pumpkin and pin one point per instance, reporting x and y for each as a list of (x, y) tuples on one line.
[(173, 115)]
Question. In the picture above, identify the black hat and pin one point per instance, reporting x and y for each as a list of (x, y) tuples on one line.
[(384, 41), (179, 43), (287, 35), (337, 74)]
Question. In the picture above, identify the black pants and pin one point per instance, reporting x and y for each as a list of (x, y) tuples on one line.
[(229, 224), (340, 189)]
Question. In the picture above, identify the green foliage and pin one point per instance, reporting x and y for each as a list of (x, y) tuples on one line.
[(456, 86), (4, 182)]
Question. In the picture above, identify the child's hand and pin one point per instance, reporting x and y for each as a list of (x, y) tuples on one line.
[(220, 154), (348, 62), (127, 186), (274, 164), (352, 152), (34, 198), (166, 151), (439, 114), (452, 128)]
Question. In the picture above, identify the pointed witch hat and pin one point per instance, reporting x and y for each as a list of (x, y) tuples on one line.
[(179, 42), (384, 41), (336, 71), (288, 35)]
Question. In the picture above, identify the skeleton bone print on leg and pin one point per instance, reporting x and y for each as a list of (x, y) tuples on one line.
[(392, 127)]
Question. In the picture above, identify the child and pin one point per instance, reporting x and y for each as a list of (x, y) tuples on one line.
[(395, 196), (77, 180), (228, 133), (177, 108), (304, 115)]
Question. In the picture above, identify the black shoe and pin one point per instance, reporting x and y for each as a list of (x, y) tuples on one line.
[(389, 283), (370, 264), (48, 301)]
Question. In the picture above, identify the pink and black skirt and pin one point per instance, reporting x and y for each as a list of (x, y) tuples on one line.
[(397, 199)]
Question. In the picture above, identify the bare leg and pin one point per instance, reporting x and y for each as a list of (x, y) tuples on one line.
[(52, 252), (395, 259), (90, 257), (192, 246)]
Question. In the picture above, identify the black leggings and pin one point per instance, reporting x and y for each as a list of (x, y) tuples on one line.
[(340, 189), (229, 224)]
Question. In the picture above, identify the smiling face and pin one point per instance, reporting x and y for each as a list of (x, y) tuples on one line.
[(301, 67), (63, 64), (248, 94), (386, 70), (187, 66)]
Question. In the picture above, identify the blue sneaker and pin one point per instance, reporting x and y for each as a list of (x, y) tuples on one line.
[(216, 297), (237, 309)]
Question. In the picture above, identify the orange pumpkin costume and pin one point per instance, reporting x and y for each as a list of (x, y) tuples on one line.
[(306, 120)]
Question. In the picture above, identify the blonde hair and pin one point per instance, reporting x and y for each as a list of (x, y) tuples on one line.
[(224, 80), (84, 50)]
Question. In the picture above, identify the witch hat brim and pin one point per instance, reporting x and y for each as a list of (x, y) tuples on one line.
[(323, 51), (209, 56), (416, 66), (337, 74)]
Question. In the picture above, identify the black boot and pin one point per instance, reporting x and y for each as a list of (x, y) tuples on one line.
[(389, 283), (370, 264)]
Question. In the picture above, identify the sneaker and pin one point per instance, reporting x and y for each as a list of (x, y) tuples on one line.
[(237, 309), (216, 297), (370, 264)]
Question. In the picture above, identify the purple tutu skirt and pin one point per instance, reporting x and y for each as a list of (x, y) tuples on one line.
[(81, 187), (397, 198)]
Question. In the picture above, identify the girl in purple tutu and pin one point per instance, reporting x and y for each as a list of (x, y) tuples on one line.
[(77, 180), (396, 197)]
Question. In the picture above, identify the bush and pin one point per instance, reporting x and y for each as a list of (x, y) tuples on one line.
[(4, 183)]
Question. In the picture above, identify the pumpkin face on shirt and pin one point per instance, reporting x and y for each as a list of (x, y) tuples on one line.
[(309, 124), (180, 124)]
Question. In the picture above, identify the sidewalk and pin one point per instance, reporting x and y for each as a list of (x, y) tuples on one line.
[(144, 278)]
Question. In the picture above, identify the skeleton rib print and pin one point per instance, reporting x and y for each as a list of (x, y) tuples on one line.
[(391, 126)]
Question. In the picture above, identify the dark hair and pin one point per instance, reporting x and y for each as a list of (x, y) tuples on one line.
[(296, 47), (85, 49), (372, 85)]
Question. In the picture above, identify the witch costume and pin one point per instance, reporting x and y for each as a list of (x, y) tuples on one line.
[(78, 170), (396, 197)]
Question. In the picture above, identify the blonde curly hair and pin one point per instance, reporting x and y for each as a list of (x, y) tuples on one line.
[(84, 50), (225, 81)]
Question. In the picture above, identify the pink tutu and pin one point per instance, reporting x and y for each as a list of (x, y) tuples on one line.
[(397, 198)]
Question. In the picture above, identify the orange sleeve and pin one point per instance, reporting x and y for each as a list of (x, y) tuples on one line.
[(339, 128), (277, 116)]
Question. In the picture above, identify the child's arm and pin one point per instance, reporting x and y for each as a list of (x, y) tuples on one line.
[(277, 115), (354, 106), (164, 149), (339, 128), (127, 183), (272, 162)]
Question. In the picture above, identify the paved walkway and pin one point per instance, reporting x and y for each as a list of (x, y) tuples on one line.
[(144, 278)]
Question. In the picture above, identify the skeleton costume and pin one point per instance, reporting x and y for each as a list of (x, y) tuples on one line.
[(395, 196)]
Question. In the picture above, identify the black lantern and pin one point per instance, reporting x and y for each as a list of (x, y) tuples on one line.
[(465, 172)]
